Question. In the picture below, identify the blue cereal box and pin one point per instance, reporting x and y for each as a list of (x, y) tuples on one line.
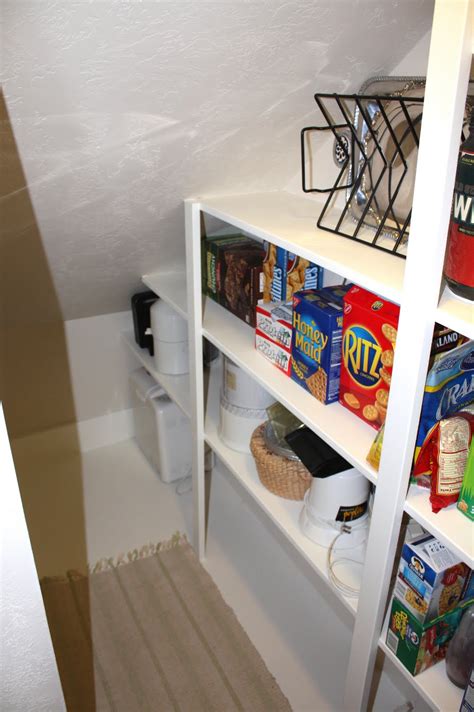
[(316, 345)]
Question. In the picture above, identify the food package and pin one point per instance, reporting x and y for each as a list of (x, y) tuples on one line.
[(235, 275), (375, 452), (368, 347), (430, 579), (212, 248), (449, 388), (336, 292), (442, 460), (444, 339), (466, 496), (419, 646), (286, 273), (316, 345), (273, 333)]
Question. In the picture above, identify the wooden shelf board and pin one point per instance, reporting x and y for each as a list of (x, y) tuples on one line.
[(171, 287), (450, 526), (283, 513), (177, 387), (456, 313), (346, 433), (289, 221)]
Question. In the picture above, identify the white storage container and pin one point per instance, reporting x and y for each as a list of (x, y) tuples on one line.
[(236, 425), (162, 431), (241, 390), (170, 339)]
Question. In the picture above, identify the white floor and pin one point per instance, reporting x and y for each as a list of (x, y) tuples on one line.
[(106, 502)]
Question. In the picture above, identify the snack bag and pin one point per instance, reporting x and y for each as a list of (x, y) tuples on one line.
[(449, 388), (444, 455), (375, 452)]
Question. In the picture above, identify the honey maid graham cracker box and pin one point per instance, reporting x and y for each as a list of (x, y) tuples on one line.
[(368, 347), (316, 345)]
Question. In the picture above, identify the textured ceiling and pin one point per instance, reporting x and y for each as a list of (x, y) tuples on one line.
[(122, 109)]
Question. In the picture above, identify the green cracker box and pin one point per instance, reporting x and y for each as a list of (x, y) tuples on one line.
[(418, 646), (466, 495)]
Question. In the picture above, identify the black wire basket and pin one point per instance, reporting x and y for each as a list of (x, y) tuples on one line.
[(376, 140)]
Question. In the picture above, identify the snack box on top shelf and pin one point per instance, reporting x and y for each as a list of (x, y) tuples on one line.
[(430, 578), (368, 346), (419, 646), (286, 273), (273, 333), (235, 275), (316, 344)]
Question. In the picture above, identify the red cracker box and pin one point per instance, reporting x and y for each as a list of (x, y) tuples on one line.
[(368, 343), (273, 333)]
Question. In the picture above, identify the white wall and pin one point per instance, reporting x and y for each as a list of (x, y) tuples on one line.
[(122, 109), (99, 363), (28, 672)]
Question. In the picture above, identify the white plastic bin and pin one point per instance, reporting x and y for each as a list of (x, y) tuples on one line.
[(162, 431)]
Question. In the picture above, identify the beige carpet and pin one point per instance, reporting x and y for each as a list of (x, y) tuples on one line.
[(154, 634)]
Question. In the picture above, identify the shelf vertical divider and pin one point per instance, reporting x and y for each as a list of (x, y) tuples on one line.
[(446, 87), (194, 308)]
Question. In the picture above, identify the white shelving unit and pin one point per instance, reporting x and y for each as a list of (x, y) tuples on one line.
[(415, 284), (432, 685), (456, 531), (283, 513), (177, 387), (456, 313), (171, 287), (235, 339)]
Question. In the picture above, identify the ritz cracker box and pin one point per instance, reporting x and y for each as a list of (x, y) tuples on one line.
[(273, 333), (316, 345), (419, 646), (285, 273), (368, 346)]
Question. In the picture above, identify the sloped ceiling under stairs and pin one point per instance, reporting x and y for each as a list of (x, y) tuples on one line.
[(122, 109)]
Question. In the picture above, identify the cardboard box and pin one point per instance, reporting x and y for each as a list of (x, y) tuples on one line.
[(368, 344), (430, 578), (273, 333), (466, 495), (286, 273), (316, 345), (280, 357), (335, 292), (234, 275), (467, 595), (419, 647), (213, 247)]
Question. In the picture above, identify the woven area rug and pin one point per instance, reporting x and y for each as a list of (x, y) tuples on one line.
[(154, 634)]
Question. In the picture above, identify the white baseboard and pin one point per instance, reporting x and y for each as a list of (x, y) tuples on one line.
[(84, 435)]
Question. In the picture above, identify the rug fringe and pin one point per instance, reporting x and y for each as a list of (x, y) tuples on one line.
[(106, 564)]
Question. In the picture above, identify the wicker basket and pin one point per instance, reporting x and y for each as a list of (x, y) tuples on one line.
[(286, 478)]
